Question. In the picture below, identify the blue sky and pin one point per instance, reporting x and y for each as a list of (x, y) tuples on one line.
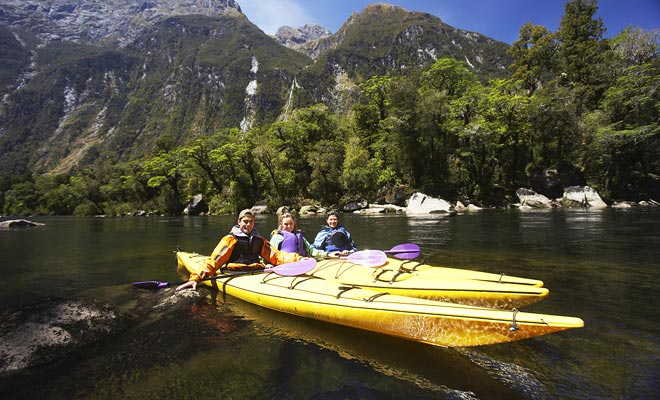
[(499, 19)]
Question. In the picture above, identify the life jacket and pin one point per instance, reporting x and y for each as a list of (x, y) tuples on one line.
[(336, 240), (246, 250), (292, 243)]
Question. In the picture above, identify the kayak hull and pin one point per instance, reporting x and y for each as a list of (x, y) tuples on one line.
[(391, 278), (427, 321)]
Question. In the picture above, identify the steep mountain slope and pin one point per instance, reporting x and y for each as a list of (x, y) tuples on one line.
[(186, 76), (115, 22), (124, 76)]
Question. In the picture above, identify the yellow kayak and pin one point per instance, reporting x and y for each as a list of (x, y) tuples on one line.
[(458, 273), (429, 284), (427, 321)]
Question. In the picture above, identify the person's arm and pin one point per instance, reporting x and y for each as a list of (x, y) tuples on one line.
[(276, 239), (218, 258), (314, 252), (350, 240)]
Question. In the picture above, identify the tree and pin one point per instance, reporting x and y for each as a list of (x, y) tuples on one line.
[(583, 53), (534, 56)]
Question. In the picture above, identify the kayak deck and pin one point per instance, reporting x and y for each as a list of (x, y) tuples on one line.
[(458, 273), (428, 321), (406, 282)]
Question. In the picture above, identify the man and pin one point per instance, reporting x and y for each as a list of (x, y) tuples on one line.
[(333, 237), (242, 249)]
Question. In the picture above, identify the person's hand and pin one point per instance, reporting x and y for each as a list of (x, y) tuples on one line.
[(345, 252), (188, 284), (334, 254)]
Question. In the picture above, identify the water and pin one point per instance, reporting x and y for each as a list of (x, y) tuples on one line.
[(602, 266)]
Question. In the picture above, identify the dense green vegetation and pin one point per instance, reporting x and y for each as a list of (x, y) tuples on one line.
[(574, 102)]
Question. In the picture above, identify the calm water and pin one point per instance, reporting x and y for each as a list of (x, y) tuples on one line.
[(602, 266)]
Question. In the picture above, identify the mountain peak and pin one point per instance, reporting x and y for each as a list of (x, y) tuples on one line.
[(292, 37), (107, 21)]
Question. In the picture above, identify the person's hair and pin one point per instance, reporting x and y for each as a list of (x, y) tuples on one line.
[(332, 212), (285, 215)]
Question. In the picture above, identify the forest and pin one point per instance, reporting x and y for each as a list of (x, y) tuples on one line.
[(573, 102)]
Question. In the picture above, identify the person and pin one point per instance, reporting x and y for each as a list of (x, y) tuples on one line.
[(333, 237), (241, 249), (287, 237)]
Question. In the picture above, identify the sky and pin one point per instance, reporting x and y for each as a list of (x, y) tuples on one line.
[(498, 19)]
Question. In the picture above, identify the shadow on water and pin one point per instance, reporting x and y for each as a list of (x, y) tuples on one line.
[(195, 344)]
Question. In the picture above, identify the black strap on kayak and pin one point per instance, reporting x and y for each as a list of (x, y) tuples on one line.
[(414, 268), (380, 272), (344, 289), (374, 297), (402, 270), (297, 281)]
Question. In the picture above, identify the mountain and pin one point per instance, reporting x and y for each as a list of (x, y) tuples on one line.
[(297, 38), (86, 78), (117, 22)]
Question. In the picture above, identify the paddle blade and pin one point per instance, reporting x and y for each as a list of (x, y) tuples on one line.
[(294, 268), (368, 258), (151, 285), (406, 251)]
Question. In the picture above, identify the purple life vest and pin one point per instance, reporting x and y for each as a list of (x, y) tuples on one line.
[(293, 242)]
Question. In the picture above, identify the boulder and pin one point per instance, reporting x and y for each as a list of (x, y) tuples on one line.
[(420, 203), (552, 181), (47, 330), (260, 209), (310, 209), (355, 206), (196, 206), (532, 199), (19, 223), (582, 196)]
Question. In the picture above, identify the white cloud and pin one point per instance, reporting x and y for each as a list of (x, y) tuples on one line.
[(269, 15)]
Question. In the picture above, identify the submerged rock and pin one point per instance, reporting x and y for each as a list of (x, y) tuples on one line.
[(45, 331)]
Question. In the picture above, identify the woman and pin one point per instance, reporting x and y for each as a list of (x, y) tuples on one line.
[(334, 238), (288, 238)]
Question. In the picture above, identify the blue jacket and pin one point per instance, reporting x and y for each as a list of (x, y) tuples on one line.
[(334, 239)]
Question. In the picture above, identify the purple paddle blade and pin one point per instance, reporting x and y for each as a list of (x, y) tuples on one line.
[(368, 258), (406, 251), (294, 268), (151, 284)]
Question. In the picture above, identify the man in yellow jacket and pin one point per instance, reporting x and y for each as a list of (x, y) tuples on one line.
[(242, 249)]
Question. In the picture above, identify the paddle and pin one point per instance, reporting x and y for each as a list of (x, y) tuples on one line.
[(377, 258), (406, 251), (368, 258), (289, 269)]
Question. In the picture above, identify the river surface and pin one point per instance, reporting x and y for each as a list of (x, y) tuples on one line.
[(602, 266)]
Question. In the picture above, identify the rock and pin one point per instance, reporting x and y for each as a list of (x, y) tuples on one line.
[(260, 209), (582, 196), (552, 181), (310, 209), (49, 329), (375, 209), (420, 203), (19, 223), (532, 199), (196, 206), (355, 206)]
